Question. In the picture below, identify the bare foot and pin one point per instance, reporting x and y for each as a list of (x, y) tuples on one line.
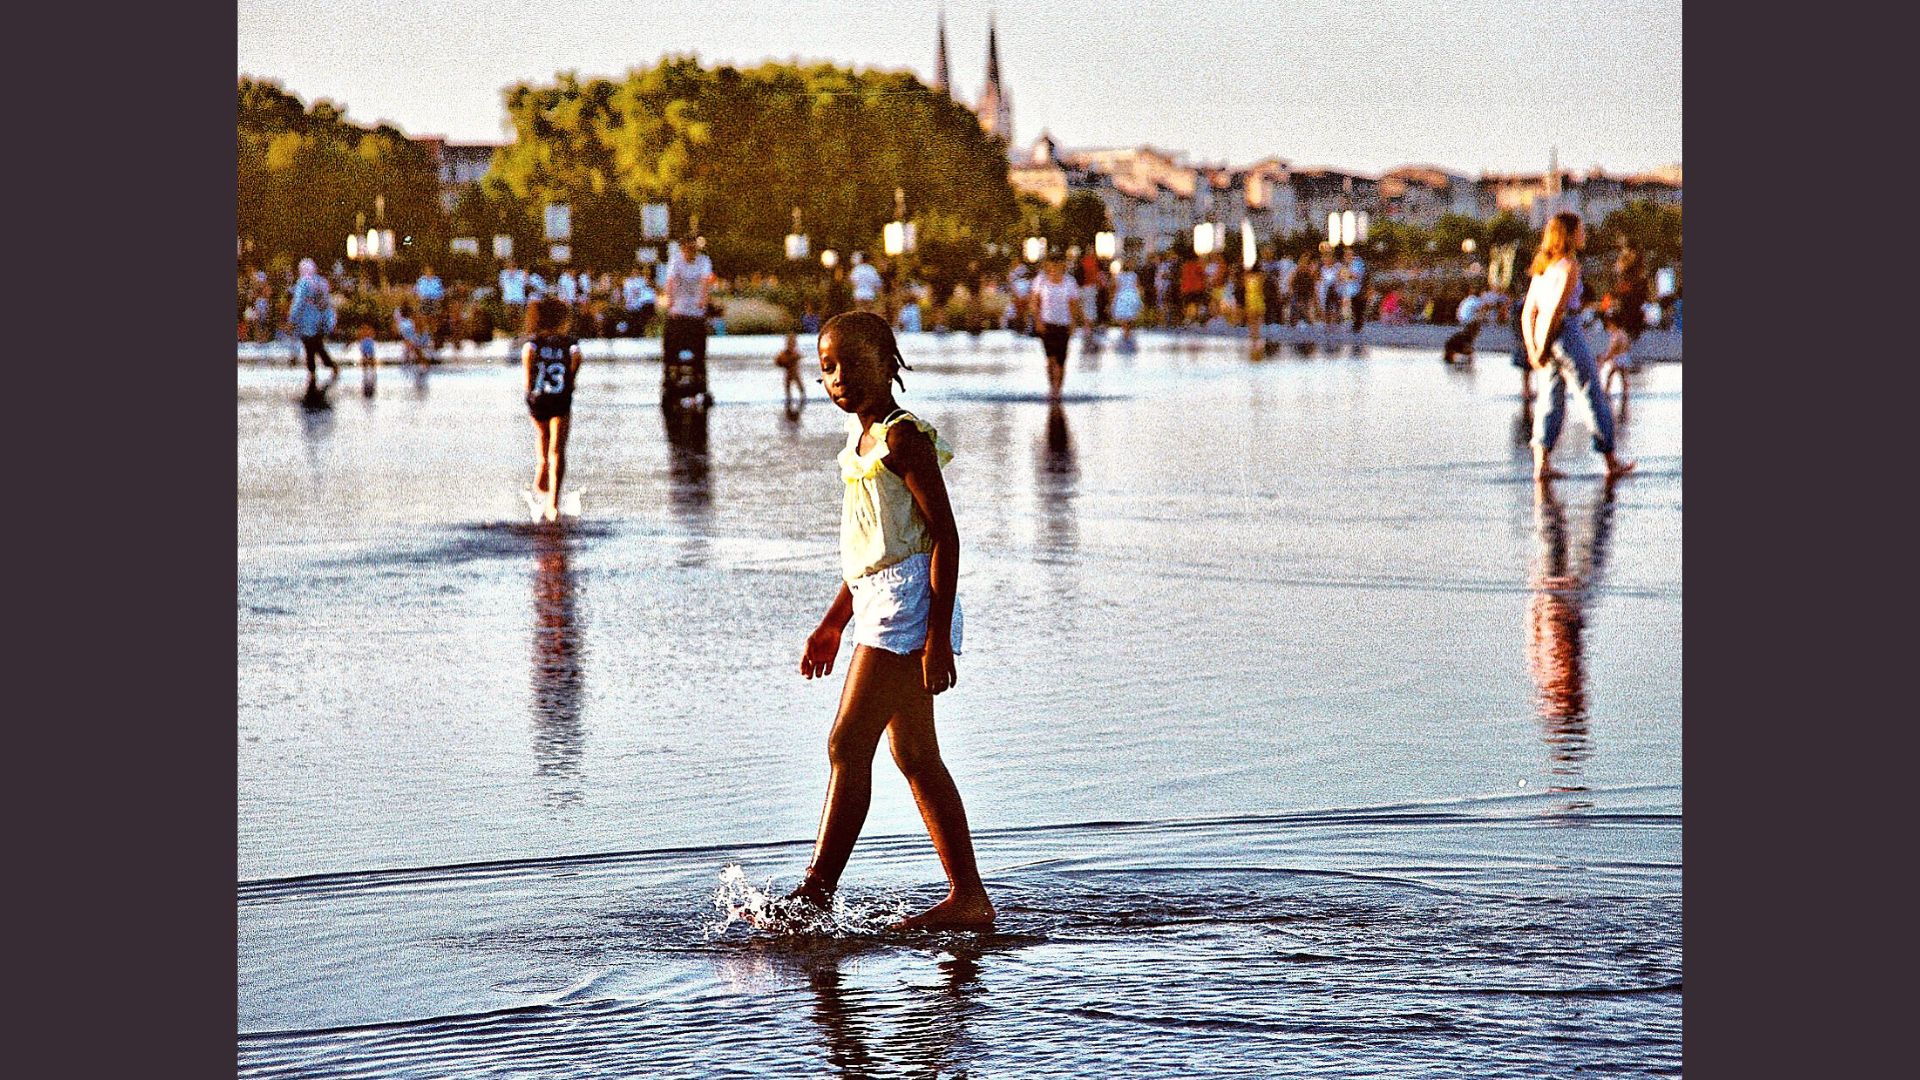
[(810, 900), (552, 512), (1618, 468), (973, 912), (1546, 472)]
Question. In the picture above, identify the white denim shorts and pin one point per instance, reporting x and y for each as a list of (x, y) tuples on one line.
[(891, 606)]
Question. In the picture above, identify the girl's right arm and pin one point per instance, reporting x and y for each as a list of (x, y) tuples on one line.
[(816, 660), (526, 364)]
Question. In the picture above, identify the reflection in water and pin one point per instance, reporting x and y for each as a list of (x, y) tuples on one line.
[(910, 1029), (1055, 480), (1564, 579), (1523, 427), (690, 481), (557, 674), (316, 424)]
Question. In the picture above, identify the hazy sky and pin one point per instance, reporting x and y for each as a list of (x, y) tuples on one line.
[(1471, 85)]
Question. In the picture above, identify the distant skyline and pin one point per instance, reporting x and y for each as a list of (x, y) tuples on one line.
[(1472, 86)]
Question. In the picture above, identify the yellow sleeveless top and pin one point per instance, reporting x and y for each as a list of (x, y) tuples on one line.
[(879, 524)]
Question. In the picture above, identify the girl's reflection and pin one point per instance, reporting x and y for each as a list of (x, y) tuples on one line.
[(907, 1031), (1564, 579), (557, 675)]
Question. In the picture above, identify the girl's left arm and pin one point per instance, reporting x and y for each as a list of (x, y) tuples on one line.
[(574, 358), (910, 455)]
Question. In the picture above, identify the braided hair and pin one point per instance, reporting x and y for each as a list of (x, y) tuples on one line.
[(867, 328)]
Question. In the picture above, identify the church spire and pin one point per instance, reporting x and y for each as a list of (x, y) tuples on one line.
[(942, 80), (996, 106)]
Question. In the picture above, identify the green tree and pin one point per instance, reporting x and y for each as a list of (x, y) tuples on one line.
[(1081, 216), (740, 149), (1649, 226), (305, 173)]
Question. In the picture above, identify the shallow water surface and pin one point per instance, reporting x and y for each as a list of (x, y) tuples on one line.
[(1299, 734)]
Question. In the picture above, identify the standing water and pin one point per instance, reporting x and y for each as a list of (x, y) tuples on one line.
[(1298, 734)]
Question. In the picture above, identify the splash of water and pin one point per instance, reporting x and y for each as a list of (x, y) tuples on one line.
[(739, 900)]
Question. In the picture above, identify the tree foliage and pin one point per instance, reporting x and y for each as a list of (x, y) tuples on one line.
[(740, 149), (1652, 227), (305, 173)]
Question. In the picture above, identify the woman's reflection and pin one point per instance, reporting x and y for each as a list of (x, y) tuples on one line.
[(1564, 578), (557, 675), (690, 481)]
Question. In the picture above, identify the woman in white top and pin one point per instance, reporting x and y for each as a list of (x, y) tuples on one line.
[(1054, 304), (689, 286), (1550, 331)]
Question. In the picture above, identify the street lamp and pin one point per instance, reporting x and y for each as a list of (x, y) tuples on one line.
[(1204, 240), (1467, 246), (1249, 248), (893, 238), (1349, 228), (796, 240), (829, 258), (1103, 245), (1036, 248)]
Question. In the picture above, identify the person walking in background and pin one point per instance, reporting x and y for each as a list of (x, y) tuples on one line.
[(513, 294), (637, 297), (1327, 296), (792, 385), (1054, 308), (418, 345), (1163, 274), (1253, 304), (1193, 289), (1090, 293), (369, 360), (1306, 279), (1353, 287), (1126, 300), (867, 284), (1551, 329), (311, 318), (431, 294), (1283, 289), (1625, 314), (689, 289)]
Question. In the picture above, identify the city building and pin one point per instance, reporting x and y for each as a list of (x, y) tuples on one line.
[(460, 164)]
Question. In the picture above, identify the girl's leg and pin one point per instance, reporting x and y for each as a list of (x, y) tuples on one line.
[(875, 678), (540, 468), (916, 750), (1593, 398), (557, 457), (1549, 412)]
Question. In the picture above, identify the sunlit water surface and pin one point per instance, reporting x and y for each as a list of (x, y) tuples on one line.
[(1299, 734)]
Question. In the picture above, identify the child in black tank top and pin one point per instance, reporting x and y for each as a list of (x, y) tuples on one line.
[(551, 359)]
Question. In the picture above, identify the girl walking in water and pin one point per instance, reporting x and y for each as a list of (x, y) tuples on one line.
[(1551, 331), (900, 557), (551, 358)]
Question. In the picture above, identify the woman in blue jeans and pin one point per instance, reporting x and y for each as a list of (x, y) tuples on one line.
[(1550, 329)]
